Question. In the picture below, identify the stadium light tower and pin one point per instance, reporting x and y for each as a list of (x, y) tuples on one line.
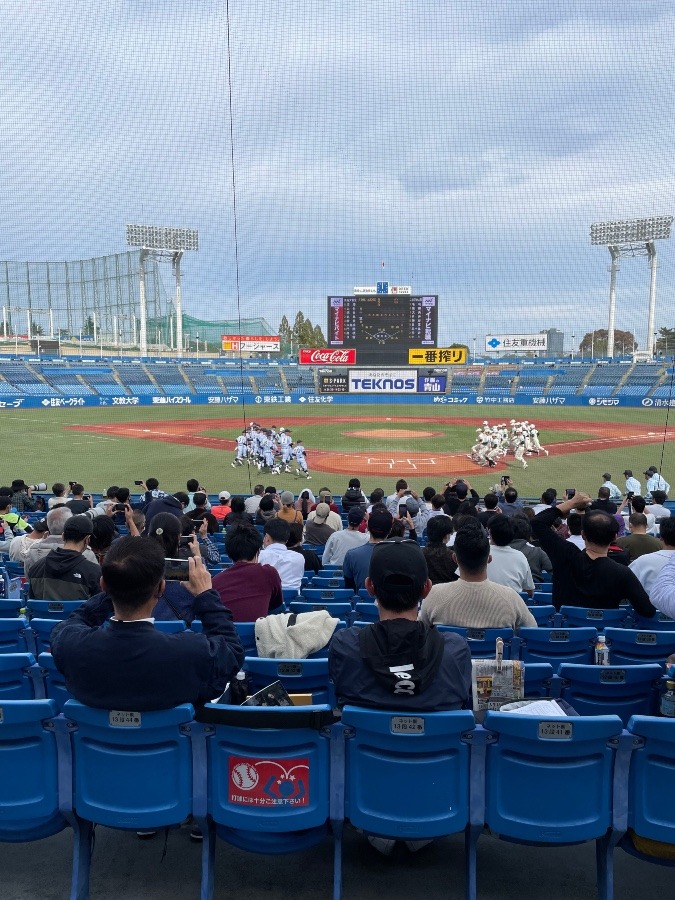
[(161, 243), (631, 237)]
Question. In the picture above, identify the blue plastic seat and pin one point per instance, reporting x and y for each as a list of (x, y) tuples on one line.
[(40, 631), (133, 770), (328, 582), (628, 646), (15, 636), (321, 595), (246, 632), (365, 594), (170, 626), (545, 615), (29, 796), (429, 752), (53, 609), (304, 676), (10, 609), (538, 680), (290, 594), (269, 781), (337, 610), (20, 677), (555, 645), (482, 641), (545, 586), (550, 781), (582, 616), (651, 789), (611, 690), (54, 681), (660, 622), (367, 612)]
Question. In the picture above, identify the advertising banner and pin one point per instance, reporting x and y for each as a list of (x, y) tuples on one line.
[(500, 343), (251, 343), (454, 356), (382, 381), (326, 357)]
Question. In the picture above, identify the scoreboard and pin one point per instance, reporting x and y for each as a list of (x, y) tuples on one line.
[(382, 327)]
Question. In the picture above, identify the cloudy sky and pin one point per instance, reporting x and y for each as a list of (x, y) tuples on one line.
[(468, 144)]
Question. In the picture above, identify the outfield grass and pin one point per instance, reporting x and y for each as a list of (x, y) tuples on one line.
[(39, 447)]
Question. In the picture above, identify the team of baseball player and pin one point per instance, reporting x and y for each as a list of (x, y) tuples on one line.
[(495, 441), (267, 448)]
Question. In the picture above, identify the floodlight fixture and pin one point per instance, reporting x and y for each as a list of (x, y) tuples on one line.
[(631, 237), (158, 237), (161, 241)]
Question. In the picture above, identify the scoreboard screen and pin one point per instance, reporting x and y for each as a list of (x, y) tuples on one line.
[(382, 327)]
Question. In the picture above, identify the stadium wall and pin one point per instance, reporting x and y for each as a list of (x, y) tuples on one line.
[(249, 399)]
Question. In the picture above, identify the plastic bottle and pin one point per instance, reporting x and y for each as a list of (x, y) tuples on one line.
[(601, 651), (239, 688), (668, 700)]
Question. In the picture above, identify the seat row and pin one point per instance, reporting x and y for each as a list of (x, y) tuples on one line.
[(285, 779)]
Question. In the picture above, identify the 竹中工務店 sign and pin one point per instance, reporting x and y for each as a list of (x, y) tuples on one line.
[(434, 356)]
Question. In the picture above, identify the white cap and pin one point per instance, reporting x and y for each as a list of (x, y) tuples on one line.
[(224, 495)]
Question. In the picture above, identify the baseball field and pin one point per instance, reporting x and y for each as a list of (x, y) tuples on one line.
[(379, 443)]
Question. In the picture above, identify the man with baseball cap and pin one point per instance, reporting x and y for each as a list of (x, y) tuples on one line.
[(357, 561), (222, 508), (64, 573), (340, 542), (399, 662)]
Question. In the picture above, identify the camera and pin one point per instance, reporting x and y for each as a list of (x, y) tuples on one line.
[(40, 486), (505, 479)]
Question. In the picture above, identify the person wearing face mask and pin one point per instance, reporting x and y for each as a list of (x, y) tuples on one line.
[(440, 561)]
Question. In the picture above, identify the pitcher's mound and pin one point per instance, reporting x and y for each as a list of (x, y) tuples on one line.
[(395, 433)]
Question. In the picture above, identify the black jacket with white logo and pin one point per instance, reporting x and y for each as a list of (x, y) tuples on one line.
[(64, 575), (399, 664)]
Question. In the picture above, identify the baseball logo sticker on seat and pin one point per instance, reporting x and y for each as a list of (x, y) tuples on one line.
[(269, 782)]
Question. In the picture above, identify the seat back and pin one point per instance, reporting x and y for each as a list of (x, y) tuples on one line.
[(367, 612), (41, 630), (580, 616), (327, 595), (429, 751), (246, 632), (628, 646), (29, 795), (544, 615), (15, 636), (296, 675), (268, 786), (132, 769), (483, 641), (603, 690), (538, 680), (327, 582), (555, 645), (660, 622), (651, 798), (52, 609), (10, 609), (55, 682), (170, 626), (19, 677), (549, 780), (336, 610)]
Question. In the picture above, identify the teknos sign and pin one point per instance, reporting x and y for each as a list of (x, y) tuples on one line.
[(327, 357), (380, 381)]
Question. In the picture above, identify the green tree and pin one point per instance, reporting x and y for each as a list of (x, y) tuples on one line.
[(594, 343), (306, 334), (285, 336), (296, 331), (665, 341), (36, 330), (318, 340), (88, 327)]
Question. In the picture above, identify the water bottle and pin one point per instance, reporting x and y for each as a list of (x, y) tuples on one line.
[(668, 700), (601, 651), (239, 688)]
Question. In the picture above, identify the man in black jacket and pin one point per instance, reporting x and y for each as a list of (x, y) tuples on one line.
[(65, 573), (127, 663), (587, 577), (398, 662)]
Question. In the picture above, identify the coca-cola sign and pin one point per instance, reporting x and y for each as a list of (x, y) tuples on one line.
[(326, 357)]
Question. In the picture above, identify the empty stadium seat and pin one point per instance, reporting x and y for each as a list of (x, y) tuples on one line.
[(15, 636), (54, 681), (581, 616), (628, 647), (53, 609), (297, 676), (20, 677), (624, 691), (483, 641), (327, 595), (555, 645), (337, 610)]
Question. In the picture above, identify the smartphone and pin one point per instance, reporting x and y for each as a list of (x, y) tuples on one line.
[(138, 482), (185, 540), (630, 495), (403, 510), (86, 496), (570, 492), (407, 493), (176, 569), (120, 507)]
